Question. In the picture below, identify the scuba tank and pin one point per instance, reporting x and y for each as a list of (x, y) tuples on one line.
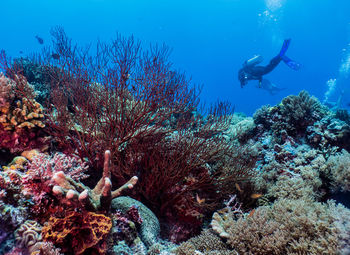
[(257, 59)]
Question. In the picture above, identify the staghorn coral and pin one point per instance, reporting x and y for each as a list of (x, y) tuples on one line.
[(79, 231)]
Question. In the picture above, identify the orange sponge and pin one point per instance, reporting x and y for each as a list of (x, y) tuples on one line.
[(79, 231)]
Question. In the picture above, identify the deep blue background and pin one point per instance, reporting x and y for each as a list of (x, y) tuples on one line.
[(209, 39)]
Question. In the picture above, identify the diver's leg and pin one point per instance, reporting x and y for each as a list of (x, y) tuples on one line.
[(273, 63), (276, 60)]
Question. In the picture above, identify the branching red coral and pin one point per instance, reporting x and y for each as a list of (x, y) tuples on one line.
[(39, 182)]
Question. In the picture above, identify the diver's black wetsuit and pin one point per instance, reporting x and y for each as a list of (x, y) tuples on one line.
[(254, 72)]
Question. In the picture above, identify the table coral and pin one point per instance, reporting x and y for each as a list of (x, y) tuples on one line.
[(79, 231)]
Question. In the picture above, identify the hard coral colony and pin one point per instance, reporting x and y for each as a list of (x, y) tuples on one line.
[(212, 183)]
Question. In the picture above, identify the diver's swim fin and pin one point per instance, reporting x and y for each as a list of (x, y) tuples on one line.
[(270, 87), (291, 63), (284, 47)]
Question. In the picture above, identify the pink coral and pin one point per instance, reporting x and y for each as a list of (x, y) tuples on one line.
[(21, 139), (38, 180), (6, 90)]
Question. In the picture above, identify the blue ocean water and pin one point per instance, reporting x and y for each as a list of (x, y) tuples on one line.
[(209, 39)]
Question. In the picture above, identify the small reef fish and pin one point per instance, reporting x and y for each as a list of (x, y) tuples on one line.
[(40, 40), (256, 195), (238, 187), (251, 213), (200, 200)]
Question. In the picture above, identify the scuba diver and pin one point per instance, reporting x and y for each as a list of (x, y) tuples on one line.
[(251, 70)]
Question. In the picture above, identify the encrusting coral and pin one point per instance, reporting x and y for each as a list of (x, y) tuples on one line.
[(78, 232)]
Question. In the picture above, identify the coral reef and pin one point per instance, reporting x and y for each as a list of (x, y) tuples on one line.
[(25, 114), (6, 92), (134, 123)]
